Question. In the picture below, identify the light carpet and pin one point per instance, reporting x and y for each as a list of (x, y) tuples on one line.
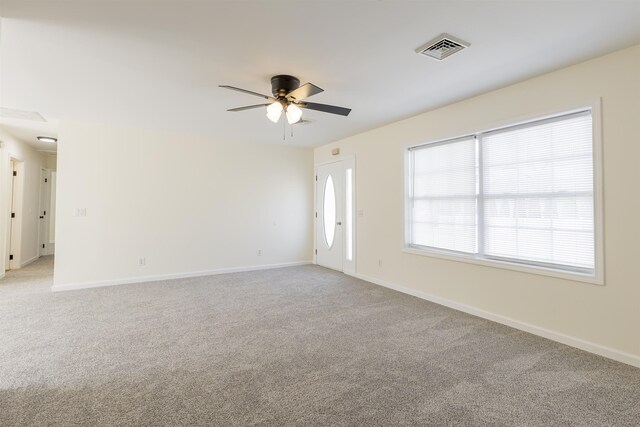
[(291, 346)]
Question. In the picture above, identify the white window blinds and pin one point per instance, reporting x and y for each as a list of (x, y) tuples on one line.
[(538, 192), (443, 213), (521, 194)]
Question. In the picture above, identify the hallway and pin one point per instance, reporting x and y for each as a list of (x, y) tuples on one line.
[(35, 277)]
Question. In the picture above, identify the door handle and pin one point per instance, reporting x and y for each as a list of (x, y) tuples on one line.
[(339, 223), (41, 217)]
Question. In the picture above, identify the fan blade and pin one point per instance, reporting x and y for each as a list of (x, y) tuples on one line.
[(270, 98), (249, 107), (325, 108), (303, 92)]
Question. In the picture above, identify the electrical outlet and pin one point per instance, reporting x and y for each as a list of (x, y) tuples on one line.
[(80, 212), (142, 261), (259, 252), (379, 263)]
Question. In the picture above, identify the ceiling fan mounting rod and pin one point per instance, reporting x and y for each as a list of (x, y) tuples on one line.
[(282, 84)]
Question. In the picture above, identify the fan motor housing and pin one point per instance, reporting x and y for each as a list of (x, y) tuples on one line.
[(282, 84)]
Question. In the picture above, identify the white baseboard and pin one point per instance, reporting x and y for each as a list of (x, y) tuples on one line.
[(600, 350), (29, 261), (162, 277)]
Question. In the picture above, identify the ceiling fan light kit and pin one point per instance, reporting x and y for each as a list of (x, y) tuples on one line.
[(288, 97), (294, 113), (274, 111)]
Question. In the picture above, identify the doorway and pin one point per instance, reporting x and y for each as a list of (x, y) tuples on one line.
[(335, 205)]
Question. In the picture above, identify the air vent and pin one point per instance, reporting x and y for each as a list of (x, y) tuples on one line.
[(10, 113), (442, 47)]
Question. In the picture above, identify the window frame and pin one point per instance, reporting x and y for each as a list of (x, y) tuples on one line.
[(577, 274)]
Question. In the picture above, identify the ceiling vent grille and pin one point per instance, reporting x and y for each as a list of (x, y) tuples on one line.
[(442, 47), (10, 113)]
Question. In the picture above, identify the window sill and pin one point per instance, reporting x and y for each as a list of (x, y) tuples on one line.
[(470, 259)]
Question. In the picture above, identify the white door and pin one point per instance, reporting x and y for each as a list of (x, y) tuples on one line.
[(44, 207), (330, 208)]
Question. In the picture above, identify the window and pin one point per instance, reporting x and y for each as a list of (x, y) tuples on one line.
[(444, 196), (520, 195), (329, 212), (348, 230)]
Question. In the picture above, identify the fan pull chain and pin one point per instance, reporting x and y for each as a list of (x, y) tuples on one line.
[(284, 130)]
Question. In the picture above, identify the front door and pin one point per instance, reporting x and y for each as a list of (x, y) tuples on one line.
[(329, 203)]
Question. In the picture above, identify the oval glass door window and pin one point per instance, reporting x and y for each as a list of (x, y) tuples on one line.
[(329, 211)]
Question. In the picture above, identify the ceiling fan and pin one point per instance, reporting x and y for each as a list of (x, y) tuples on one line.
[(289, 97)]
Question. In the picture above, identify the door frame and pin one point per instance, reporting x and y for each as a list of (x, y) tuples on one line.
[(53, 186), (14, 201), (43, 223), (4, 165), (348, 162)]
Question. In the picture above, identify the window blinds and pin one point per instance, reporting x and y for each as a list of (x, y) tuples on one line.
[(537, 185), (522, 194), (444, 196)]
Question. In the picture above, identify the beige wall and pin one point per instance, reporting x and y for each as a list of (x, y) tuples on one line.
[(187, 204), (29, 212), (51, 161), (607, 316)]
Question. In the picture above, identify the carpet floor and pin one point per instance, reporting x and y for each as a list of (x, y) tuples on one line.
[(292, 346)]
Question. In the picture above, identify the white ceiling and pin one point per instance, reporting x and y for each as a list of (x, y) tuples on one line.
[(29, 131), (158, 64)]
